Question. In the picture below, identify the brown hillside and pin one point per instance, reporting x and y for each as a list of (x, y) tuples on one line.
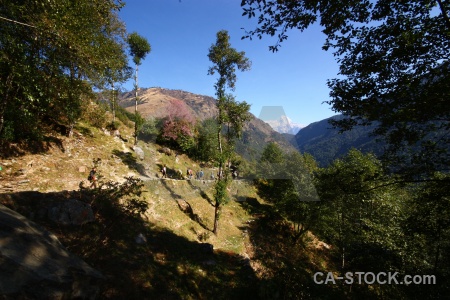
[(155, 102)]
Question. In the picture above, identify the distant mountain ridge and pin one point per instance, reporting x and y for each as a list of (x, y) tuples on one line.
[(326, 144)]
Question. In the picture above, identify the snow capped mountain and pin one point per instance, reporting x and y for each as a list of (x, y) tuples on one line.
[(277, 119), (285, 125)]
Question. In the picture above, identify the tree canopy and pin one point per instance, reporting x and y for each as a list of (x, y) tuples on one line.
[(394, 68), (225, 59), (52, 53), (139, 47)]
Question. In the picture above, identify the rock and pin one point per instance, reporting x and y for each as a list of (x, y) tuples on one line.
[(71, 212), (166, 151), (82, 169), (116, 133), (21, 172), (139, 152), (210, 262), (141, 239), (35, 265), (206, 248)]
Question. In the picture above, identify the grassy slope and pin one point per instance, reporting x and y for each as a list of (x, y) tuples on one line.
[(249, 251)]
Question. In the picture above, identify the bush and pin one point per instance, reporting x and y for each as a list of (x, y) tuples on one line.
[(178, 133), (113, 125), (114, 198), (95, 115), (150, 129), (124, 116)]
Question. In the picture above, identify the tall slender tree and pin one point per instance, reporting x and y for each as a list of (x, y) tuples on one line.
[(139, 48), (225, 60)]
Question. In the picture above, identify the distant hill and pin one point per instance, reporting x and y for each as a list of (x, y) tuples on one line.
[(326, 143), (155, 102)]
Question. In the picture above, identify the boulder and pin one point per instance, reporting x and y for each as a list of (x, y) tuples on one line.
[(35, 265), (166, 151), (116, 133), (71, 212), (206, 248), (140, 239), (139, 152)]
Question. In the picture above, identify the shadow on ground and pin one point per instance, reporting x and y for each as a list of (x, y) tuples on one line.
[(185, 206), (131, 161), (202, 193), (287, 265), (8, 149), (166, 266)]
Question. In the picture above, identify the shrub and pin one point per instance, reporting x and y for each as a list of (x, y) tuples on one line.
[(95, 115), (114, 198)]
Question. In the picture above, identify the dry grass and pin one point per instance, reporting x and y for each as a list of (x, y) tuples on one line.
[(249, 251)]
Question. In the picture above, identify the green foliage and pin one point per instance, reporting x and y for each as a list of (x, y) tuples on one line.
[(95, 115), (272, 154), (116, 198), (124, 116), (363, 213), (150, 129), (225, 60), (50, 62), (138, 121), (139, 47), (233, 115), (393, 70), (220, 192), (207, 144), (113, 125), (287, 180), (429, 222)]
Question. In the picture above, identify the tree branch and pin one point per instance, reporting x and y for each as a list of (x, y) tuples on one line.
[(444, 13)]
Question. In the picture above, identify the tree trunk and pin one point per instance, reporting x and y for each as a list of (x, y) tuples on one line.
[(216, 217), (220, 175), (341, 237), (438, 250), (219, 139), (113, 104), (4, 100), (444, 13), (136, 106)]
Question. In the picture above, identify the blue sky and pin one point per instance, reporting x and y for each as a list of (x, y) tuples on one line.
[(181, 32)]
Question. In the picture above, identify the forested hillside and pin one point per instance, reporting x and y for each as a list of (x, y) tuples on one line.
[(326, 143)]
